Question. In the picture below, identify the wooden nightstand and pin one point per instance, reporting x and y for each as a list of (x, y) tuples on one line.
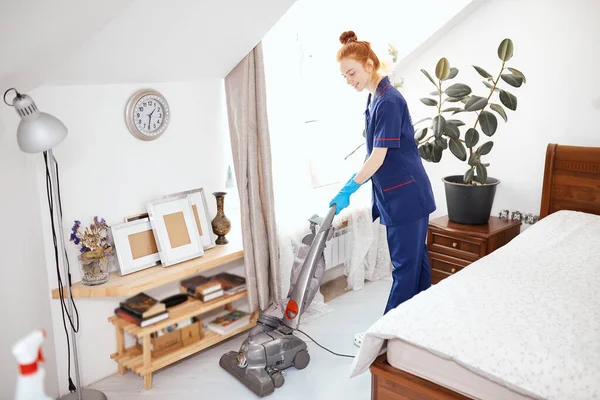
[(453, 246)]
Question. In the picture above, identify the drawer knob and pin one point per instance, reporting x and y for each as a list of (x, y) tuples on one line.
[(454, 244), (453, 270)]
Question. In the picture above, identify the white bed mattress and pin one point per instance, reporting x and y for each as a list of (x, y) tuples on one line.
[(526, 317)]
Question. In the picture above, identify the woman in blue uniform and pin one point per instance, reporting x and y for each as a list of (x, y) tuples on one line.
[(402, 195)]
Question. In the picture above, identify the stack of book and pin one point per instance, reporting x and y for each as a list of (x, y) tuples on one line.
[(142, 310), (207, 288)]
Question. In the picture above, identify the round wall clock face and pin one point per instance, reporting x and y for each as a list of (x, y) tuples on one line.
[(147, 114)]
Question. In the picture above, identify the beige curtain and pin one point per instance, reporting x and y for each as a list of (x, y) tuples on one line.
[(247, 114)]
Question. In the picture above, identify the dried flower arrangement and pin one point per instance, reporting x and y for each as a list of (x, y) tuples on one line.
[(95, 248)]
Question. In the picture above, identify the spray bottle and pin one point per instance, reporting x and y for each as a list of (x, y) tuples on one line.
[(30, 381)]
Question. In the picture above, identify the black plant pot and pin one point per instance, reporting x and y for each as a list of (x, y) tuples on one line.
[(469, 204)]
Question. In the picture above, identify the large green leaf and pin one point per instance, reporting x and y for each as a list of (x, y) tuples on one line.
[(505, 50), (436, 153), (452, 74), (498, 108), (429, 77), (476, 103), (483, 72), (508, 99), (474, 159), (442, 69), (471, 137), (425, 152), (451, 130), (481, 174), (457, 148), (456, 122), (452, 109), (420, 135), (429, 102), (488, 122), (468, 176), (454, 99), (441, 142), (518, 73), (512, 80), (438, 126), (485, 148), (459, 90)]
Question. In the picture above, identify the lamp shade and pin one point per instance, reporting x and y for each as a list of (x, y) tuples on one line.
[(37, 131)]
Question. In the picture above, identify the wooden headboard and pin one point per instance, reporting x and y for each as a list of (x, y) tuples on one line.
[(571, 180)]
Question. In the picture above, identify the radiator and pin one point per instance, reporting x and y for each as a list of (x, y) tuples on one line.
[(337, 249)]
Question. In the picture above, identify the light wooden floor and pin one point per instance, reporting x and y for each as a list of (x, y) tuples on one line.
[(200, 376)]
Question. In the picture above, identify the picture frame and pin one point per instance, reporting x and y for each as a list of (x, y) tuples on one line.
[(175, 229), (135, 245), (202, 219)]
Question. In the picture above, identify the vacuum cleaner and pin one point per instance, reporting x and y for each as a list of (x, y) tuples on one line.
[(271, 346)]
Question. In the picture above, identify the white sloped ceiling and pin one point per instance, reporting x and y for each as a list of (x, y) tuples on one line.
[(76, 42)]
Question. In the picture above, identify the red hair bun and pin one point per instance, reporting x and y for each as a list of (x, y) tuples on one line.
[(348, 37)]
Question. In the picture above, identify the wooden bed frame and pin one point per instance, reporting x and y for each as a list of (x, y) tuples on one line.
[(571, 182)]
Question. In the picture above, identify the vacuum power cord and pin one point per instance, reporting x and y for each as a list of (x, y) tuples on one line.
[(323, 347)]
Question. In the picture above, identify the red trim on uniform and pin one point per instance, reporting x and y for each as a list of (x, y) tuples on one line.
[(387, 139), (383, 90), (397, 186)]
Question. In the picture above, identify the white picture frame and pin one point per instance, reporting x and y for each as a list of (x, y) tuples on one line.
[(175, 229), (200, 209), (132, 246)]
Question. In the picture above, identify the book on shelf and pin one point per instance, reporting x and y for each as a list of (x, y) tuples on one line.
[(199, 285), (204, 285), (136, 319), (143, 306), (231, 283), (227, 323)]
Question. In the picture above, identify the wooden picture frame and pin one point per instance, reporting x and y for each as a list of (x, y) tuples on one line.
[(174, 228), (201, 216), (135, 245)]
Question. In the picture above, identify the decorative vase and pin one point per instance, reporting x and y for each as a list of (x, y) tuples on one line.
[(220, 223), (94, 270), (469, 204)]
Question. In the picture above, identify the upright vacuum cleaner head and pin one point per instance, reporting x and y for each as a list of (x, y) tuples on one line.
[(271, 346)]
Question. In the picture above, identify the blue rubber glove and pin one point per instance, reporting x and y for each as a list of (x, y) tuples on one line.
[(342, 199)]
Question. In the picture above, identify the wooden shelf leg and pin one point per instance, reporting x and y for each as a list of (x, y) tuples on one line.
[(120, 346), (229, 306), (147, 363)]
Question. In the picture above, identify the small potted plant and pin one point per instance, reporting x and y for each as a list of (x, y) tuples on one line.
[(469, 196), (95, 250)]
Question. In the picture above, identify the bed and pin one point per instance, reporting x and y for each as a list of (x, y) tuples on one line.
[(520, 323)]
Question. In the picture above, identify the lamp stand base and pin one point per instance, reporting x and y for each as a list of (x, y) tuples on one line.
[(86, 394)]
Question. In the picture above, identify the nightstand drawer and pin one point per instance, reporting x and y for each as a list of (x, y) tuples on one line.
[(447, 264), (469, 248)]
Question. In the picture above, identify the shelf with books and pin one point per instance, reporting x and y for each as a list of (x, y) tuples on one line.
[(133, 358), (190, 308), (131, 284), (140, 358)]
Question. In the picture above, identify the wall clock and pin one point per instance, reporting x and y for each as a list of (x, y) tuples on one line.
[(147, 114)]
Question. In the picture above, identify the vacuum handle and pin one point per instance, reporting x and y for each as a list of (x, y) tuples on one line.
[(328, 220)]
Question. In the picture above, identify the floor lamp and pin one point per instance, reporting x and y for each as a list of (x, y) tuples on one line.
[(39, 132)]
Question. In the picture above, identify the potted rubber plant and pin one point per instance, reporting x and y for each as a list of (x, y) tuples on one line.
[(470, 195)]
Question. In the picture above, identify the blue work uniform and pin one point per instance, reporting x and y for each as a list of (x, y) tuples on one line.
[(402, 194)]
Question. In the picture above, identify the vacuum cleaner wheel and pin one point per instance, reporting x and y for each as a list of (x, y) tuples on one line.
[(301, 359)]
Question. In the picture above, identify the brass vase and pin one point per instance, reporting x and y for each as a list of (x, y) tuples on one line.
[(220, 223)]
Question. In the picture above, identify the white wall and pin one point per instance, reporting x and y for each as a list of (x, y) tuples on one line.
[(24, 295), (556, 47), (107, 172)]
